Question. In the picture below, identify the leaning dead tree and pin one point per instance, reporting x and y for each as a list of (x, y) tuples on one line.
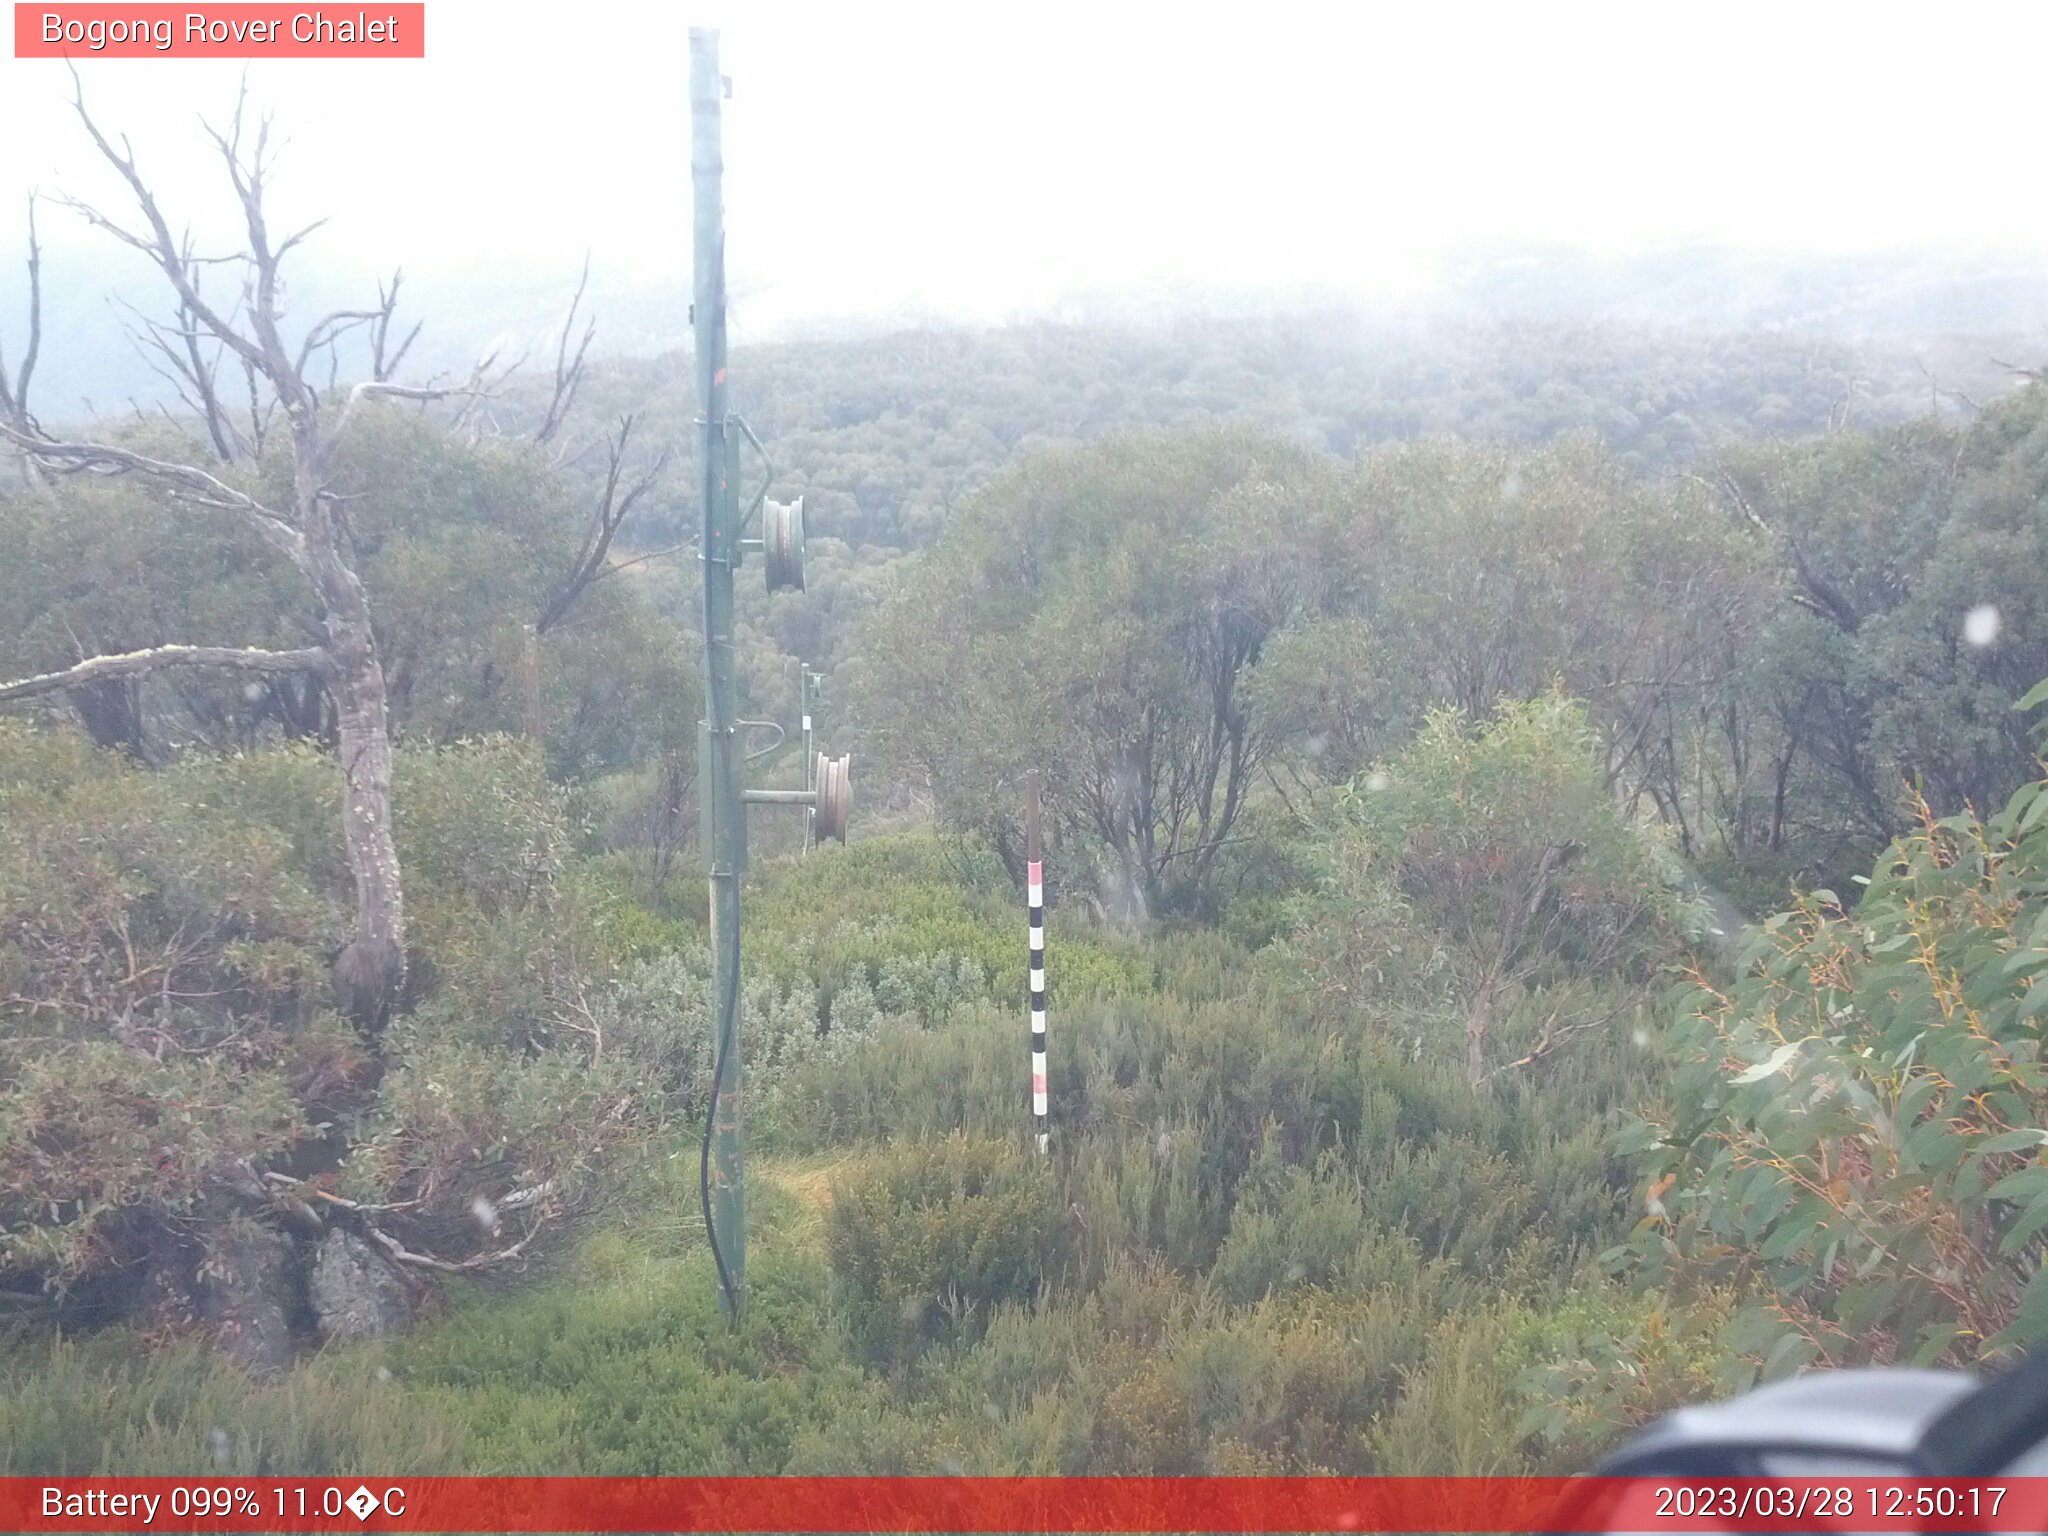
[(211, 348)]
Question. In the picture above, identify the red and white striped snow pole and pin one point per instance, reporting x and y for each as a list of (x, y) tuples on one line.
[(1034, 898)]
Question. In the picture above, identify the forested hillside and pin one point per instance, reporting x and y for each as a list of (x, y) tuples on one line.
[(1419, 710), (889, 432)]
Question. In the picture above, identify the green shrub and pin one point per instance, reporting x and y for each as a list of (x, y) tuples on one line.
[(1858, 1125), (893, 912), (1603, 1361), (1458, 1414), (1145, 1426), (165, 1028), (1302, 1236), (623, 1365), (1298, 1385), (1138, 1197), (927, 1238), (1484, 883)]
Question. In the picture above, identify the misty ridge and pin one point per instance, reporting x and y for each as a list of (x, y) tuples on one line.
[(1902, 328)]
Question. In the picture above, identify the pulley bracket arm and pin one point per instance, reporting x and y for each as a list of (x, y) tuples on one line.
[(767, 475)]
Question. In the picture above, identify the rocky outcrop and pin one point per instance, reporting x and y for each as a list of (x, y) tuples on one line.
[(246, 1295), (354, 1293)]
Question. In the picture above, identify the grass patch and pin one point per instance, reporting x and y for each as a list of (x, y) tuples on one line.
[(807, 1183)]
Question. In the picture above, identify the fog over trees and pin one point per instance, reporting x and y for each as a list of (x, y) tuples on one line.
[(1543, 790)]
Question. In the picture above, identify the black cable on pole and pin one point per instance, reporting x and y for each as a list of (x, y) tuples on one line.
[(725, 1020)]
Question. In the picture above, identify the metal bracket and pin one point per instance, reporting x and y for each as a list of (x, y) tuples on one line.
[(764, 725), (767, 475)]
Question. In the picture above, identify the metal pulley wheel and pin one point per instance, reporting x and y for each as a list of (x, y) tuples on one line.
[(835, 789), (782, 544)]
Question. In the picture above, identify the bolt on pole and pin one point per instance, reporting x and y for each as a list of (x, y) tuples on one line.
[(719, 783)]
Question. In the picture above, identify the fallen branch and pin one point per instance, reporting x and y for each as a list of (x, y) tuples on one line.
[(398, 1253), (533, 1194), (304, 1189)]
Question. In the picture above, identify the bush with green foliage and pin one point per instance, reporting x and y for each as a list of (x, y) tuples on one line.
[(1484, 877), (460, 545), (167, 1049), (120, 1403), (1127, 590), (1856, 1127), (1606, 1359), (928, 1237)]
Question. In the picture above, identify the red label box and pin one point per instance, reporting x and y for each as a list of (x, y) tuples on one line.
[(226, 31)]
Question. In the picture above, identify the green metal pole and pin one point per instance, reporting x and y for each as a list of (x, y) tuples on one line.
[(718, 778)]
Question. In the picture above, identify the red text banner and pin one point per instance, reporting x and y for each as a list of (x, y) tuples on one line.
[(226, 31), (996, 1504)]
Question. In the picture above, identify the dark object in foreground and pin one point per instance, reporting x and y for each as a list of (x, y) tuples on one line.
[(1872, 1423)]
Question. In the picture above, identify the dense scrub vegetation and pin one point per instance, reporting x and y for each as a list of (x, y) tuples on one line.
[(889, 437), (1418, 1108), (1854, 1129), (1777, 652), (1290, 1247)]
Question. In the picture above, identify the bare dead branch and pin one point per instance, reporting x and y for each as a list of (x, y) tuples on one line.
[(172, 352), (295, 239), (306, 1190), (35, 319), (384, 360), (329, 329), (248, 177), (188, 481), (653, 554), (400, 1254), (611, 512), (261, 411), (138, 663), (480, 390), (1556, 1033), (374, 388), (568, 370), (158, 244), (14, 392)]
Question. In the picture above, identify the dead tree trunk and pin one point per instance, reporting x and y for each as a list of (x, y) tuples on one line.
[(370, 969), (14, 410)]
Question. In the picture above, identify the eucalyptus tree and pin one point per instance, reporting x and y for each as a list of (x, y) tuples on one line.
[(1099, 612)]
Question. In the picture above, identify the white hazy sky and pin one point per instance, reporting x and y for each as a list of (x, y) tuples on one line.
[(991, 157)]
